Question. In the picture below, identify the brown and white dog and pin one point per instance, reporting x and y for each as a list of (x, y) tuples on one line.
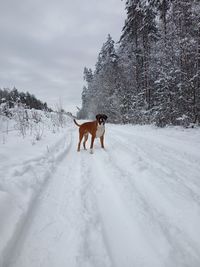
[(95, 128)]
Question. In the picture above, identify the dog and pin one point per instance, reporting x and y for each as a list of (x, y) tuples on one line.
[(95, 128)]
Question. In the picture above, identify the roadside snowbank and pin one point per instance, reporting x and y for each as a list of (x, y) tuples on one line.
[(26, 164)]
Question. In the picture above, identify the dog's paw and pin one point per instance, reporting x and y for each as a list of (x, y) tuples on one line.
[(91, 151)]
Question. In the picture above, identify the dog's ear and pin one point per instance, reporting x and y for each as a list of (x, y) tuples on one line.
[(105, 117), (98, 116)]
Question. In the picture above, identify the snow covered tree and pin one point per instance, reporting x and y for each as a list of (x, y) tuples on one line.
[(153, 75), (100, 96)]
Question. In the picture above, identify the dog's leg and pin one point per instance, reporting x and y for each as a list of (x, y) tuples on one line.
[(92, 142), (102, 141), (85, 140), (80, 139)]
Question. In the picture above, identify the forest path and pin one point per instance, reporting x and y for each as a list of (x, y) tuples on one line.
[(136, 203)]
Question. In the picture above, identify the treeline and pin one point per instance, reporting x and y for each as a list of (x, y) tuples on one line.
[(152, 75), (12, 97)]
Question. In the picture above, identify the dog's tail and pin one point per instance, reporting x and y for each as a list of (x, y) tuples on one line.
[(76, 123)]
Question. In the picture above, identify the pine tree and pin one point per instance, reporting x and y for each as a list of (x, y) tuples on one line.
[(154, 74)]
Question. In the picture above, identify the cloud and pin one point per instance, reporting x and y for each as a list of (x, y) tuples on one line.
[(46, 44)]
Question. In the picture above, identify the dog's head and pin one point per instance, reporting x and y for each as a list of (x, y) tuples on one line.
[(101, 118)]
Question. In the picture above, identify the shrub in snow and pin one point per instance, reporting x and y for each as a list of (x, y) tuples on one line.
[(30, 122)]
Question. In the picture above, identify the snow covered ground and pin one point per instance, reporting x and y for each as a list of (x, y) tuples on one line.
[(136, 203)]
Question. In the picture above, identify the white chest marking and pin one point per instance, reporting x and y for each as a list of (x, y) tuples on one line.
[(100, 130)]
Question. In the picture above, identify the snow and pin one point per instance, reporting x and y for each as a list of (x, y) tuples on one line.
[(134, 203)]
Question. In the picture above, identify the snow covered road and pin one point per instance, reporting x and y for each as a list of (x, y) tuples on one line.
[(136, 203)]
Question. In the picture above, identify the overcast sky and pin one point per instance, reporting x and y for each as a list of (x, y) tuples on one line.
[(45, 44)]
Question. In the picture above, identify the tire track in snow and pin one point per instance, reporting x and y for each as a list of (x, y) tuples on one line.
[(72, 228), (181, 249), (93, 249), (189, 186), (156, 137), (44, 166), (123, 235), (98, 211), (184, 248), (160, 224)]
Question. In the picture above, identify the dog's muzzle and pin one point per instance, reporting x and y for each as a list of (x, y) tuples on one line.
[(101, 121)]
